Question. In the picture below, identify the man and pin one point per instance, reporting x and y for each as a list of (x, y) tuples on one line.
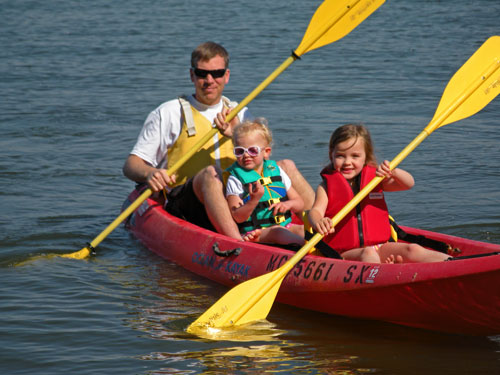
[(176, 126)]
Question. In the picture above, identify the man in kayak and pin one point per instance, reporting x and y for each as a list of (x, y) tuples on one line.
[(196, 189)]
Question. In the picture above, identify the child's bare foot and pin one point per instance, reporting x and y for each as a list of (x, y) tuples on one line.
[(252, 236), (390, 259)]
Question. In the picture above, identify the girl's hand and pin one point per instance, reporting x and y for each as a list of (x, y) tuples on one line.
[(280, 207), (255, 190), (384, 170), (324, 226), (395, 180)]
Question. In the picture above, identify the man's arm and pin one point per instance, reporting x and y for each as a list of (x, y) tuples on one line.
[(138, 170)]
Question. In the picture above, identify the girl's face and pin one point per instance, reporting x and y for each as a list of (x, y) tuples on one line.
[(349, 158), (250, 162)]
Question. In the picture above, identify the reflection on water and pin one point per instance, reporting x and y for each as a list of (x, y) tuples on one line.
[(282, 357), (292, 340), (256, 331), (262, 346)]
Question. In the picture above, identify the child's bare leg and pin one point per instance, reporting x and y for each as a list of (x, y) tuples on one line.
[(411, 253), (297, 229), (365, 254), (280, 235)]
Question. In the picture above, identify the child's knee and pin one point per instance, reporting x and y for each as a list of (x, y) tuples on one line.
[(413, 249), (210, 173), (369, 251)]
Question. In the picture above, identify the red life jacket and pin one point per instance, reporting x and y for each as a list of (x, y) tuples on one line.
[(367, 224)]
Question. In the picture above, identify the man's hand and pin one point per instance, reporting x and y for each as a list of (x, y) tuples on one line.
[(225, 128), (158, 179)]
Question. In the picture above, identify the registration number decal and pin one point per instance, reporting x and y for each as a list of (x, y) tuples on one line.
[(211, 261)]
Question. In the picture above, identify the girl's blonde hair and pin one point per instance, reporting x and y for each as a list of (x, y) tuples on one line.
[(258, 125), (353, 131)]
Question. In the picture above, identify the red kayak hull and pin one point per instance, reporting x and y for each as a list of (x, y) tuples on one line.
[(459, 296)]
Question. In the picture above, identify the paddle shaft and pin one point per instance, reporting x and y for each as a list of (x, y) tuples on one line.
[(304, 46), (301, 49), (234, 112), (147, 193), (435, 123), (357, 16)]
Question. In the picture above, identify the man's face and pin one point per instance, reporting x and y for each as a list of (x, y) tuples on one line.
[(208, 90)]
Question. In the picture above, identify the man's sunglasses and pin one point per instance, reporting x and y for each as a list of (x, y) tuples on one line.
[(202, 73), (252, 151)]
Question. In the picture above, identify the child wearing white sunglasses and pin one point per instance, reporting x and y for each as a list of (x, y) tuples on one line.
[(258, 191)]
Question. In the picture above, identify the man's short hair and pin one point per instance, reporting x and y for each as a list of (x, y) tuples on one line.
[(207, 51)]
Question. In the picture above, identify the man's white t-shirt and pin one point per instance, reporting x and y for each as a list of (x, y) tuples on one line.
[(163, 126)]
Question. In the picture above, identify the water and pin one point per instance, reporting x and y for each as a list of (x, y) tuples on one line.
[(77, 81)]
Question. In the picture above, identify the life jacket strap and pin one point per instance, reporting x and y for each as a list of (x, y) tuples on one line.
[(267, 180), (188, 115), (325, 249), (271, 201), (421, 240), (257, 223)]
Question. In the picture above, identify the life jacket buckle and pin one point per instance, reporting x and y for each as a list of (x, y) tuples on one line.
[(279, 219), (265, 180), (272, 201)]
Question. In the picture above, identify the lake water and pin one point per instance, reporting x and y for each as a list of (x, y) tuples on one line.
[(77, 80)]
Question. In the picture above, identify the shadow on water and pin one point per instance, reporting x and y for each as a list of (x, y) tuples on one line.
[(387, 347)]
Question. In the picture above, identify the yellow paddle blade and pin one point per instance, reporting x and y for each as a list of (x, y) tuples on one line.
[(259, 330), (333, 20), (472, 87), (82, 254), (236, 308), (86, 251), (251, 300)]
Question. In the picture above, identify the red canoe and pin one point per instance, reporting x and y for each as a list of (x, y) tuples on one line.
[(460, 296)]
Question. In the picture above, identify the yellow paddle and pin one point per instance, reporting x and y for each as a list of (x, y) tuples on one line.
[(473, 86), (332, 20)]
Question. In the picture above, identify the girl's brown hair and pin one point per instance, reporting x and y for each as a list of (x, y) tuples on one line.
[(353, 131)]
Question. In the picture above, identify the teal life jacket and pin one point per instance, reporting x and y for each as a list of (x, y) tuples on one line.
[(274, 191)]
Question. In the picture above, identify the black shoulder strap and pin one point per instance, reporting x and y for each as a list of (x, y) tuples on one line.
[(421, 240), (325, 249)]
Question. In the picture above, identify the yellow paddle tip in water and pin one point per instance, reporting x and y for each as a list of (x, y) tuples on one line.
[(82, 254), (259, 330)]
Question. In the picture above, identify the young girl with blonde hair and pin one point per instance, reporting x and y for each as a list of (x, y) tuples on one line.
[(259, 193)]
